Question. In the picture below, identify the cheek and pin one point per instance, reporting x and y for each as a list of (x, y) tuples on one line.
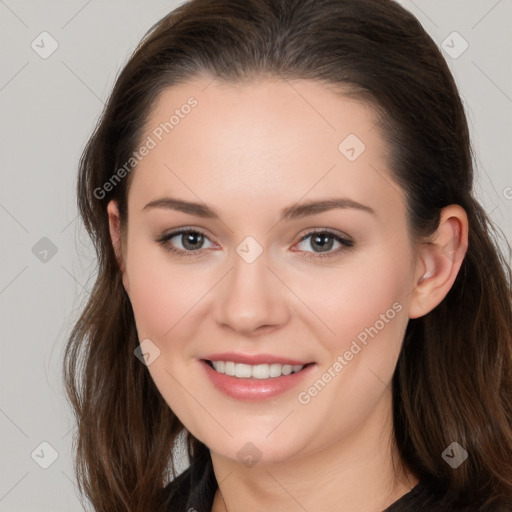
[(161, 293), (368, 312), (366, 309), (365, 291), (165, 298)]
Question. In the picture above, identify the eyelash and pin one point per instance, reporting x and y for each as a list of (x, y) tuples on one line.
[(164, 242)]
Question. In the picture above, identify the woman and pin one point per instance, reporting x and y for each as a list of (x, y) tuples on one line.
[(293, 271)]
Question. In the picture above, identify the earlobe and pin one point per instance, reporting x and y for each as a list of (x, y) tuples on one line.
[(439, 261)]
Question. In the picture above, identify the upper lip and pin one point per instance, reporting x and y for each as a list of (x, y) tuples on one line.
[(253, 359)]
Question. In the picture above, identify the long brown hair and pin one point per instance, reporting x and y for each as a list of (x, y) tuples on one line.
[(453, 380)]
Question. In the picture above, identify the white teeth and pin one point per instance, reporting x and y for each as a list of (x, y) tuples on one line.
[(229, 368), (258, 371), (243, 371), (275, 370)]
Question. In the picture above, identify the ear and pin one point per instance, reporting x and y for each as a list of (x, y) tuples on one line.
[(439, 261), (114, 223)]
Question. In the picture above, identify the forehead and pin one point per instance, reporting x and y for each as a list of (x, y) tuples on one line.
[(286, 118), (267, 139)]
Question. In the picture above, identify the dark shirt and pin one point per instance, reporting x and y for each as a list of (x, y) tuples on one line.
[(194, 491)]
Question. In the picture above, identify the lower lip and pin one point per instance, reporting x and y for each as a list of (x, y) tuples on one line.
[(254, 389)]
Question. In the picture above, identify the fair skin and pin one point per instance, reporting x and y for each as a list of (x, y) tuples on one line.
[(248, 151)]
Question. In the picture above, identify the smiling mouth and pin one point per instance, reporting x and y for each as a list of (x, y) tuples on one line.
[(257, 371)]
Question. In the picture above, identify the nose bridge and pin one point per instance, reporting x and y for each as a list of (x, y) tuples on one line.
[(252, 296)]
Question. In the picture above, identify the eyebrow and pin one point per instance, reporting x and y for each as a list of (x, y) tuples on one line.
[(296, 211)]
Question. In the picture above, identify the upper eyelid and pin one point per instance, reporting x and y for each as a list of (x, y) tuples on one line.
[(329, 231)]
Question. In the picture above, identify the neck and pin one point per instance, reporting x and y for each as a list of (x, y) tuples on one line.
[(356, 473)]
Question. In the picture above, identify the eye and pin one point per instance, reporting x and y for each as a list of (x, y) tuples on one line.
[(323, 242), (188, 242)]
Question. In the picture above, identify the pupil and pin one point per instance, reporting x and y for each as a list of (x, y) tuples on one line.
[(191, 240), (323, 241)]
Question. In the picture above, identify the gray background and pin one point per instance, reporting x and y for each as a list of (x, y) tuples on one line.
[(48, 109)]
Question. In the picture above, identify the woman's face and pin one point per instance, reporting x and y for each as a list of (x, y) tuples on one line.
[(266, 277)]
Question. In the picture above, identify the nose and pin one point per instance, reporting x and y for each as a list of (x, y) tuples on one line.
[(251, 300)]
